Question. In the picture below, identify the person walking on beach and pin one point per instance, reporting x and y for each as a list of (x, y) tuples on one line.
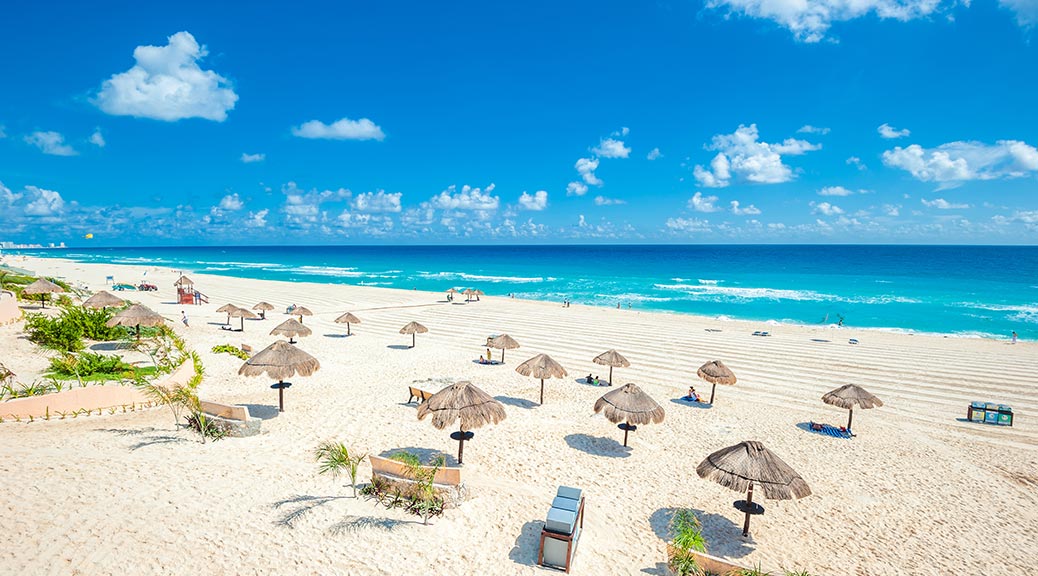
[(1014, 336), (183, 317)]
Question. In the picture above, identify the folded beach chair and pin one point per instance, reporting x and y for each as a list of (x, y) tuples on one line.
[(757, 333)]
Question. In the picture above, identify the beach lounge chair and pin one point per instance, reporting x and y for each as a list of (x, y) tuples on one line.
[(852, 341), (757, 333), (418, 394)]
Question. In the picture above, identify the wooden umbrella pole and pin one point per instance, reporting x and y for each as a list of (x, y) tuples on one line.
[(461, 446), (749, 506), (347, 328), (412, 340), (610, 382), (626, 430), (850, 416), (713, 387), (281, 396), (542, 390)]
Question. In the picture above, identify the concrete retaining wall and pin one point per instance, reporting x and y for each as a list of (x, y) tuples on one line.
[(9, 310)]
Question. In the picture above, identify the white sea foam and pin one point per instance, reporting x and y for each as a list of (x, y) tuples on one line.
[(1022, 313), (721, 292), (708, 282), (331, 271), (480, 277)]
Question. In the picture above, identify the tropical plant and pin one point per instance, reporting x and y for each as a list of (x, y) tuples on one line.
[(86, 364), (686, 539), (797, 573), (334, 458), (424, 499), (53, 333), (206, 427), (176, 397), (755, 571), (232, 350), (94, 323)]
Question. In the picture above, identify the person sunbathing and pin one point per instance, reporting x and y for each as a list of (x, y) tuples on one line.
[(483, 360), (692, 396)]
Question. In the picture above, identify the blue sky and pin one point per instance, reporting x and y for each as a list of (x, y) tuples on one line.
[(537, 122)]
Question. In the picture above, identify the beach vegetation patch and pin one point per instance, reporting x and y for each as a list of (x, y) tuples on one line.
[(335, 458), (232, 350), (686, 540)]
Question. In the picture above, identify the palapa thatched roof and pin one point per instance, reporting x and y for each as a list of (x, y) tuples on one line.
[(630, 404), (413, 328), (452, 291), (716, 372), (280, 360), (478, 292), (301, 311), (503, 342), (737, 466), (136, 315), (103, 299), (611, 358), (42, 286), (461, 401), (541, 366), (851, 395), (291, 328), (347, 318), (226, 308), (241, 313), (183, 282), (263, 306)]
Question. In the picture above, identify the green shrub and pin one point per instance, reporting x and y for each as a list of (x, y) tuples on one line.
[(204, 426), (232, 350), (93, 323), (687, 538), (54, 333), (86, 364)]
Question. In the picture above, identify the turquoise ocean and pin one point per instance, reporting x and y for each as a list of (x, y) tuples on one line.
[(987, 291)]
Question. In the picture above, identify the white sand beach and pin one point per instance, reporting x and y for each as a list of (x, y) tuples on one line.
[(918, 491)]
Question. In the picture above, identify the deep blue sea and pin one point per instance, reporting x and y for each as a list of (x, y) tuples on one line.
[(961, 290)]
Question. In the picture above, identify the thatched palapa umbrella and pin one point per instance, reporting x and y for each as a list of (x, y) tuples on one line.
[(301, 311), (747, 463), (263, 307), (413, 328), (136, 315), (462, 402), (241, 313), (468, 294), (226, 308), (477, 293), (42, 286), (611, 358), (540, 366), (280, 360), (850, 395), (291, 328), (502, 342), (102, 300), (629, 406), (716, 373), (347, 319)]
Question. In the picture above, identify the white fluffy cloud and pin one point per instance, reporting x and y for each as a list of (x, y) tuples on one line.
[(743, 154), (739, 210), (890, 133), (942, 204), (468, 198), (44, 202), (251, 158), (654, 154), (303, 207), (51, 143), (857, 163), (537, 201), (603, 201), (835, 191), (701, 203), (1026, 11), (954, 163), (610, 148), (257, 219), (576, 189), (688, 225), (586, 168), (344, 129), (809, 20), (826, 209), (231, 202), (809, 129), (8, 197), (167, 84), (97, 139), (379, 201)]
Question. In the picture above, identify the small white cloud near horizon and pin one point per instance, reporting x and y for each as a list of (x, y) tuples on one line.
[(942, 204), (839, 191), (890, 133), (379, 201), (468, 198), (257, 219), (610, 148), (97, 139), (701, 203), (891, 210), (576, 189), (688, 225), (166, 83), (826, 209), (738, 210), (231, 203), (654, 154), (743, 154), (604, 201), (50, 142), (949, 165), (809, 129), (343, 129), (252, 158), (537, 201)]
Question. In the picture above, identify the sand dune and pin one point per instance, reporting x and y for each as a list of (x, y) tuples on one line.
[(917, 492)]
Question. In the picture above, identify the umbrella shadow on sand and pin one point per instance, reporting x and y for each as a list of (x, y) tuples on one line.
[(598, 446), (527, 544), (517, 402), (262, 411), (723, 536), (399, 347)]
